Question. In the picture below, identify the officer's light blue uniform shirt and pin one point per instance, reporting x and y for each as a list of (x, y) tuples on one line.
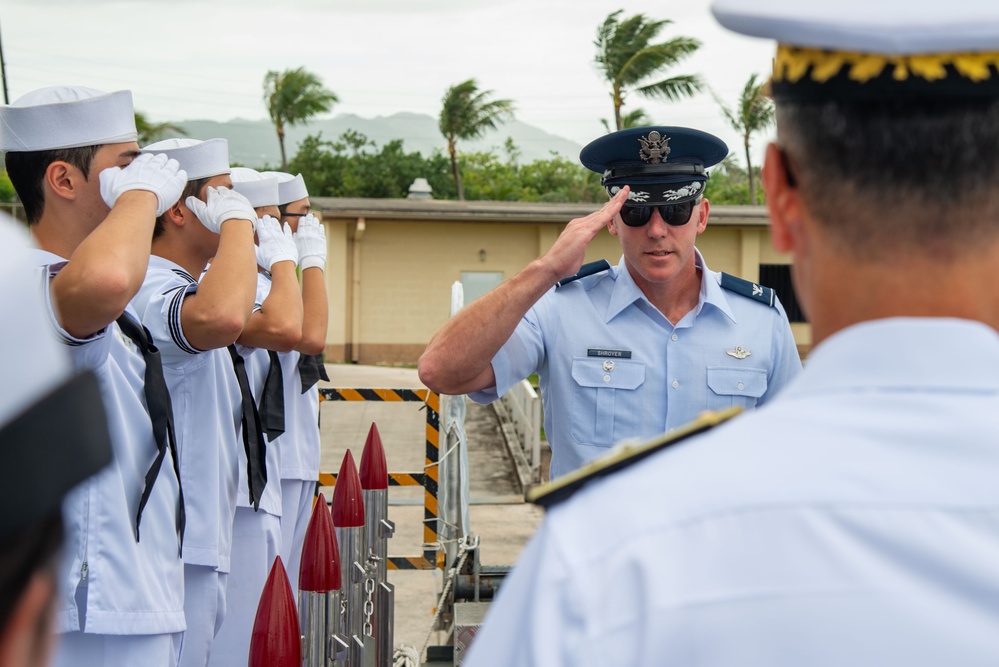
[(853, 521), (613, 367)]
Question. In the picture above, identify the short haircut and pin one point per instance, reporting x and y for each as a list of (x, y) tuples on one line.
[(897, 176), (27, 173), (192, 189), (22, 554)]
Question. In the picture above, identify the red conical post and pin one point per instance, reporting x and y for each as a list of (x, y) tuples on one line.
[(319, 579), (319, 571), (374, 468), (275, 641), (377, 530), (348, 501), (348, 522)]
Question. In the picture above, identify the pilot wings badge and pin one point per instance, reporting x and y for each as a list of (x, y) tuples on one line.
[(739, 352), (655, 148)]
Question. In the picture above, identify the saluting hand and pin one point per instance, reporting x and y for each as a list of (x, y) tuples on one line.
[(275, 244), (153, 173), (223, 204), (311, 240), (565, 257)]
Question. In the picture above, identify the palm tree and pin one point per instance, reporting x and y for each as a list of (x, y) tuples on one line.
[(635, 118), (754, 112), (150, 132), (292, 97), (466, 114), (631, 61)]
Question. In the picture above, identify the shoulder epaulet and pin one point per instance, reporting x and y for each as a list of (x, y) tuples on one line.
[(586, 270), (750, 290), (623, 456)]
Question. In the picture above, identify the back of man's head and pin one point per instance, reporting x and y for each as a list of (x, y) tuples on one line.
[(897, 176), (888, 116)]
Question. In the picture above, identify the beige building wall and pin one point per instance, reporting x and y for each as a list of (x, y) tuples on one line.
[(392, 262)]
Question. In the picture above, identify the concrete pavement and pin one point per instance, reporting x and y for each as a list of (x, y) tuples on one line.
[(497, 514)]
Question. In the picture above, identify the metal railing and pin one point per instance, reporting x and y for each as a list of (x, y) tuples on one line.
[(521, 407)]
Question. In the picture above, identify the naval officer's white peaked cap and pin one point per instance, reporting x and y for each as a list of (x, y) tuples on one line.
[(259, 189), (66, 117), (891, 27), (200, 159), (290, 188), (894, 51)]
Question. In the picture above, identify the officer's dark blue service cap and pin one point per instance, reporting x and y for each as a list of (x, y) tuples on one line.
[(663, 165)]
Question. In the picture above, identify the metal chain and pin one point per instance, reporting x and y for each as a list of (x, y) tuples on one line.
[(369, 606)]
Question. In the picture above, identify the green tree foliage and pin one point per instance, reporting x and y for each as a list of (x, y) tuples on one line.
[(292, 97), (353, 166), (635, 118), (754, 112), (729, 183), (150, 132), (7, 193), (466, 113), (631, 60)]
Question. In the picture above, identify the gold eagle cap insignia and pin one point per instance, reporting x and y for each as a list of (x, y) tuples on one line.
[(739, 352)]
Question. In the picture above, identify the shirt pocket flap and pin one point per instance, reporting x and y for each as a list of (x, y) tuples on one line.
[(623, 373), (730, 381)]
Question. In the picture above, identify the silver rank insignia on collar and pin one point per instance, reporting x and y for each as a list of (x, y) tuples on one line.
[(739, 352), (655, 148)]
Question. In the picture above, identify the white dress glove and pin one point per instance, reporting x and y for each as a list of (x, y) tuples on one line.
[(311, 241), (275, 244), (223, 204), (155, 173)]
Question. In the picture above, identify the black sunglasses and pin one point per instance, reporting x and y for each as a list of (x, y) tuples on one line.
[(672, 214)]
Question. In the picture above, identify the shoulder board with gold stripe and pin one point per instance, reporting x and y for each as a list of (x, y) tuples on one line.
[(623, 456), (749, 289)]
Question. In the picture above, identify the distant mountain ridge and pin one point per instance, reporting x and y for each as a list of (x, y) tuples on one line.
[(253, 143)]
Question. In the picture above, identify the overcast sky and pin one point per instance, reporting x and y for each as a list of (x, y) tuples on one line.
[(190, 59)]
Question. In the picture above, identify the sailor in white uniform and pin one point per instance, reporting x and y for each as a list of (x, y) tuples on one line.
[(275, 326), (193, 324), (54, 431), (91, 202), (303, 368)]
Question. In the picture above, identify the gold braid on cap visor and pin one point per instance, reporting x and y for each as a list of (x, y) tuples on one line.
[(793, 64)]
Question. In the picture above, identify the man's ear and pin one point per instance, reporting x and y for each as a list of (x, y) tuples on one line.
[(63, 180), (702, 221), (783, 201), (612, 225), (176, 213)]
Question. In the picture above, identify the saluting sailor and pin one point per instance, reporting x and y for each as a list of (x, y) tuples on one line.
[(640, 348), (195, 325), (91, 201)]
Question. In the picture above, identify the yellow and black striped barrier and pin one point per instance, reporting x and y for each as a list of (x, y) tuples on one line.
[(427, 479)]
